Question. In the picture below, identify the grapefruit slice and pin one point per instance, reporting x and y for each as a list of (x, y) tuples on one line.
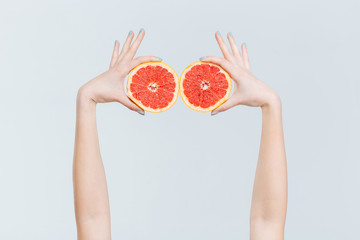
[(204, 86), (153, 86)]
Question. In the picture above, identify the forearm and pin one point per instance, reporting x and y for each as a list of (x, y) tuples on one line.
[(90, 188), (270, 187)]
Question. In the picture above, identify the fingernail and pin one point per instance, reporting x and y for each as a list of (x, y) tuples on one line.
[(230, 33), (159, 58), (214, 113), (130, 32), (245, 45), (141, 30), (218, 33), (115, 42), (142, 113), (202, 58)]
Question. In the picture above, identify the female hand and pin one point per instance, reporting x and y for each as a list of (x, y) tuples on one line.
[(109, 86), (248, 90)]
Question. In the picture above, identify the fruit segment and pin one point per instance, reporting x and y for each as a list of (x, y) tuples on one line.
[(153, 86), (204, 86)]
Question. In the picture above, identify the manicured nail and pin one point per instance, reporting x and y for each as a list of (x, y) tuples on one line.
[(230, 33), (115, 42), (214, 113), (141, 30), (218, 33), (202, 58), (159, 58), (142, 113), (245, 45), (130, 32)]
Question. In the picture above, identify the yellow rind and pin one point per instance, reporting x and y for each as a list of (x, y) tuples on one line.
[(137, 102), (199, 109)]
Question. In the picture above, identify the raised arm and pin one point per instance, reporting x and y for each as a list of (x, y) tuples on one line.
[(269, 202), (90, 189)]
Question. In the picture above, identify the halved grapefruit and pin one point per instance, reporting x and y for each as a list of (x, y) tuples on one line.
[(204, 86), (153, 86)]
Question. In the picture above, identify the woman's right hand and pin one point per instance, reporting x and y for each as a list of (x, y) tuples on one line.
[(248, 89), (109, 86)]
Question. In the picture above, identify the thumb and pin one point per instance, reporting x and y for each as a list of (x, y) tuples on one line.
[(231, 102), (127, 102), (217, 60), (143, 59)]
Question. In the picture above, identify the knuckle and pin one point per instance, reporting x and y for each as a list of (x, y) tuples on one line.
[(132, 50)]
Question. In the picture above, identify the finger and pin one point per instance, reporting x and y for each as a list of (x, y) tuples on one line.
[(217, 60), (234, 47), (115, 53), (134, 47), (231, 102), (127, 43), (143, 59), (222, 45), (245, 56), (126, 101)]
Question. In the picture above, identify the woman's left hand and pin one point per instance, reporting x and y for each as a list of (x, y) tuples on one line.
[(248, 89)]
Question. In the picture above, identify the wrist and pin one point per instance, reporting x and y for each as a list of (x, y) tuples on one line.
[(272, 103), (84, 99)]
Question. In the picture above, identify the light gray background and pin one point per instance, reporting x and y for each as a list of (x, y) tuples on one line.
[(179, 174)]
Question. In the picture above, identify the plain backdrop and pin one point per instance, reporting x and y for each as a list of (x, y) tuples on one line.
[(179, 174)]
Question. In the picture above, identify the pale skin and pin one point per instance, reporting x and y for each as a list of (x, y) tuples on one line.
[(269, 201)]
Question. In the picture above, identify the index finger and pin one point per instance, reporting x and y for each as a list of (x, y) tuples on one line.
[(234, 47), (134, 47), (224, 49)]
